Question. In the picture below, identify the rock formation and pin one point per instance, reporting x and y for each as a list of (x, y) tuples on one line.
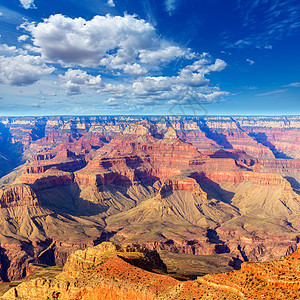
[(183, 184), (117, 271)]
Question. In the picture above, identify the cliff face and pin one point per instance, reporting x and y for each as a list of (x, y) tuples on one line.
[(64, 160), (18, 195), (109, 271), (261, 136), (30, 232)]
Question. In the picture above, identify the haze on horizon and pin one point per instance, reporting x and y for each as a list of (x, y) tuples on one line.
[(149, 57)]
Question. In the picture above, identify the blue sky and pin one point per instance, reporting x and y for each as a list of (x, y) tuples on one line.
[(149, 57)]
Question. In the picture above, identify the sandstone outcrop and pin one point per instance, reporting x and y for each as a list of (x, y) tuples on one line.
[(64, 160), (109, 271)]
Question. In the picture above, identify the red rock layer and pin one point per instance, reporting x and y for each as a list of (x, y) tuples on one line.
[(285, 140), (198, 139), (58, 137), (132, 157), (18, 195), (242, 141), (64, 160), (279, 165), (51, 178), (264, 179)]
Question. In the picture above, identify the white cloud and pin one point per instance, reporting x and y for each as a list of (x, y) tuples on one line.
[(112, 102), (111, 3), (33, 49), (22, 69), (27, 4), (272, 93), (293, 84), (251, 62), (11, 50), (218, 66), (85, 43), (153, 85), (78, 81), (163, 55), (196, 98), (190, 78), (134, 69), (117, 43), (117, 90), (23, 38), (1, 13), (280, 21), (75, 80), (204, 65), (119, 62), (171, 5), (150, 90)]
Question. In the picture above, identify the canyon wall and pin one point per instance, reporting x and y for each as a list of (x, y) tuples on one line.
[(188, 185)]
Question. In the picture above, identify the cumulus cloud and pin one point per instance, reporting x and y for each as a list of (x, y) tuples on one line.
[(153, 85), (134, 69), (204, 65), (191, 78), (11, 50), (198, 97), (75, 80), (117, 90), (251, 62), (111, 3), (194, 75), (113, 102), (163, 55), (85, 43), (33, 49), (22, 70), (126, 49), (23, 38), (152, 89), (123, 43), (27, 4)]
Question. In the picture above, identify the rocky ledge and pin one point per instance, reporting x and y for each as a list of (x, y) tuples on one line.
[(118, 271)]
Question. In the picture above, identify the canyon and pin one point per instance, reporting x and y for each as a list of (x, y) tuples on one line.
[(183, 185), (129, 271)]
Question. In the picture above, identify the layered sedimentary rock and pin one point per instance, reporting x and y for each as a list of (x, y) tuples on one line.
[(116, 271), (63, 160), (261, 136), (182, 184)]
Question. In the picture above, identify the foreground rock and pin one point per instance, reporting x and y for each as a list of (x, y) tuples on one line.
[(118, 271)]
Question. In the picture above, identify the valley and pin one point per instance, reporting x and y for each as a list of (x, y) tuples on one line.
[(223, 187)]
